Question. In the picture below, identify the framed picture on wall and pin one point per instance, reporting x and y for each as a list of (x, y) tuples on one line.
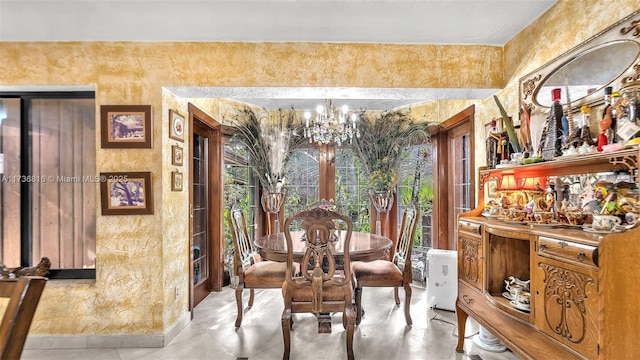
[(492, 187), (176, 181), (177, 154), (176, 125), (126, 193), (125, 126)]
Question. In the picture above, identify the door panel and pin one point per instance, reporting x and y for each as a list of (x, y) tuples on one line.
[(205, 198), (453, 178), (458, 178), (201, 230)]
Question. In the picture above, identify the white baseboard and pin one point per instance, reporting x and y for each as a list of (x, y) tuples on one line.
[(100, 341)]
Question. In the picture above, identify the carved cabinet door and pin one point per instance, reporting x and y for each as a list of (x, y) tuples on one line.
[(470, 259), (566, 304)]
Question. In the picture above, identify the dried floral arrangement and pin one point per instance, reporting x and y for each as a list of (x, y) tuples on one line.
[(269, 138), (383, 138)]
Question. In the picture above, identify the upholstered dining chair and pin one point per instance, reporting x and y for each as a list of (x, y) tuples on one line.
[(395, 273), (321, 287), (252, 271), (24, 295)]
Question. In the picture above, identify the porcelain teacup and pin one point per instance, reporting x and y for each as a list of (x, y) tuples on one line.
[(524, 297), (605, 222), (577, 217), (630, 218), (543, 217)]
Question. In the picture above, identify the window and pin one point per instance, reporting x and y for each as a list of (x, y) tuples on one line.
[(302, 180), (48, 146), (351, 189), (240, 184), (418, 159)]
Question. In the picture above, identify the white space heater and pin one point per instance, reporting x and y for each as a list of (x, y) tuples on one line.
[(442, 279)]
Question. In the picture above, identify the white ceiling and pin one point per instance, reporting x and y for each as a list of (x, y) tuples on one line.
[(492, 22)]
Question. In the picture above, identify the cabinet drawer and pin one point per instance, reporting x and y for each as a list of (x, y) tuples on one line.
[(469, 227), (567, 250), (468, 296)]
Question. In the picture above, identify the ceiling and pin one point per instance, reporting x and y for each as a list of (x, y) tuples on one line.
[(473, 22)]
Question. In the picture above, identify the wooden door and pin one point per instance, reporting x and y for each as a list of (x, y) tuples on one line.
[(205, 196), (454, 184)]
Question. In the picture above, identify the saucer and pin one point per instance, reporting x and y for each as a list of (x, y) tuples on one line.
[(507, 295), (572, 226), (520, 306), (592, 230), (514, 222), (542, 224)]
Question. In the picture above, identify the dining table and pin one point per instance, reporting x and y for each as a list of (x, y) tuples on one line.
[(364, 246)]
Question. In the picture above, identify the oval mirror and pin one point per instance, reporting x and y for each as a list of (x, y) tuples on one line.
[(588, 72), (609, 58)]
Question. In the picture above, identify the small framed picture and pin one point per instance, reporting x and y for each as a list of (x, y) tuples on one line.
[(126, 193), (177, 154), (176, 181), (125, 126), (492, 187), (176, 125)]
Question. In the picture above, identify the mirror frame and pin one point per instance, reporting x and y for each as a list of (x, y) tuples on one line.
[(627, 29)]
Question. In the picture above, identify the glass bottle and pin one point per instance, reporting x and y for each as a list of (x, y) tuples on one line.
[(553, 138), (585, 132), (504, 144), (612, 134), (492, 143)]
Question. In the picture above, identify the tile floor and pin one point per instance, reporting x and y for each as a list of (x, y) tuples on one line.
[(383, 334)]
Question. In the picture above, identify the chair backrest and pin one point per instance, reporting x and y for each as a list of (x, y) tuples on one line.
[(318, 262), (245, 252), (24, 294), (327, 205), (402, 254)]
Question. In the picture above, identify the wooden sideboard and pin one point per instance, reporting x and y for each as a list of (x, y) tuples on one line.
[(584, 286)]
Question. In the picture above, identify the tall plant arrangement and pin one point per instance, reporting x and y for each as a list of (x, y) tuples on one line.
[(269, 139), (383, 139)]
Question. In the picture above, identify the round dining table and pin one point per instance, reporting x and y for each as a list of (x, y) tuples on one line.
[(364, 246)]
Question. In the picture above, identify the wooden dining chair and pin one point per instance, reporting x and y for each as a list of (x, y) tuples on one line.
[(321, 287), (24, 295), (252, 271), (395, 273)]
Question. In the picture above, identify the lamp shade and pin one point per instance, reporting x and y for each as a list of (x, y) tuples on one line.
[(533, 183), (508, 182)]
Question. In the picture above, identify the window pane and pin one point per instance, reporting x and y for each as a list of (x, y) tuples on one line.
[(239, 185), (303, 180), (63, 166), (10, 185), (351, 189), (418, 157)]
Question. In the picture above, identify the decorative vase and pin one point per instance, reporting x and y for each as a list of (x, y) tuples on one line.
[(271, 204), (382, 201)]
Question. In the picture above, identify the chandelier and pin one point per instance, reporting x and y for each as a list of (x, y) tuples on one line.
[(330, 124)]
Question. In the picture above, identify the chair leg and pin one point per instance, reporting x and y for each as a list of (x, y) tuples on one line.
[(396, 295), (286, 333), (250, 297), (239, 304), (358, 293), (407, 303), (350, 316)]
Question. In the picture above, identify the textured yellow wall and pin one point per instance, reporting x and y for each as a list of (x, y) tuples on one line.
[(141, 259)]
